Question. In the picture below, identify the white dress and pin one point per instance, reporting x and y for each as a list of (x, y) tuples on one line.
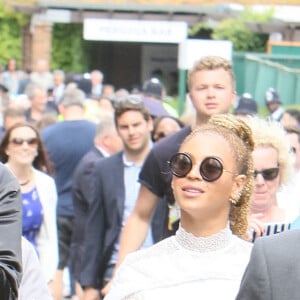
[(184, 267)]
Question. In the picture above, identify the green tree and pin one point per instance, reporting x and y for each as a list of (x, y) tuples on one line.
[(243, 39), (69, 50), (236, 30), (10, 28)]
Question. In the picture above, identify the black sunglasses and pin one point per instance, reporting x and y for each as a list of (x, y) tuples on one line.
[(21, 141), (267, 174), (211, 168)]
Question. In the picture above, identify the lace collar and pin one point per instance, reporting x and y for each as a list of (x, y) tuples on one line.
[(203, 244)]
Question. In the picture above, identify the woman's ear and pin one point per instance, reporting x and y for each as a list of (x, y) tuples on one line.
[(240, 181)]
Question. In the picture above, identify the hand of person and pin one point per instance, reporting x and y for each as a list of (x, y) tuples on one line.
[(255, 225), (106, 289), (91, 293)]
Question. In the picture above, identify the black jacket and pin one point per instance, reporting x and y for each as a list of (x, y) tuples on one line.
[(10, 234)]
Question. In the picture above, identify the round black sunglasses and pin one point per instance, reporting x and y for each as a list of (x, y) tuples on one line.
[(211, 168)]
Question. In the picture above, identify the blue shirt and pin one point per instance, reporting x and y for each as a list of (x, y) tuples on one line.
[(32, 215), (132, 187)]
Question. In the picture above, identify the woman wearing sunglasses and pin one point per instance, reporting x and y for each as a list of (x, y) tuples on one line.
[(273, 166), (24, 154), (212, 184)]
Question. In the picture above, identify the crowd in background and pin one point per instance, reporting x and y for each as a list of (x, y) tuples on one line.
[(84, 153)]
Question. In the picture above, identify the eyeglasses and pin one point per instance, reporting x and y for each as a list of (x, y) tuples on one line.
[(21, 141), (211, 168), (267, 174)]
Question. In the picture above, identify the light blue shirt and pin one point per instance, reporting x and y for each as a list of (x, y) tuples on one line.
[(132, 186)]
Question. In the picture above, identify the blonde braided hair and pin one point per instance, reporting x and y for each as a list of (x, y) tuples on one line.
[(239, 136)]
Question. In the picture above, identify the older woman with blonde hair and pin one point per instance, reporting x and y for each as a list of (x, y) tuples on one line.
[(273, 167), (212, 184)]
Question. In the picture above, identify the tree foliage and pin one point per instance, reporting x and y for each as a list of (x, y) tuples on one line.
[(236, 30), (68, 49), (10, 28), (242, 38)]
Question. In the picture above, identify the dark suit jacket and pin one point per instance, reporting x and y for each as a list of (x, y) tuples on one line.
[(10, 234), (273, 272), (105, 220), (82, 194)]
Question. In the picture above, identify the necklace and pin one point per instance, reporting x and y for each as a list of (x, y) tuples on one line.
[(25, 182)]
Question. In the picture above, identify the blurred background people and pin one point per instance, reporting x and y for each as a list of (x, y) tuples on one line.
[(155, 94), (289, 193), (291, 118), (11, 116), (41, 74), (108, 90), (39, 104), (106, 143), (273, 104), (273, 167), (106, 103), (96, 84), (164, 126), (58, 85), (11, 77), (23, 152), (246, 105), (66, 143)]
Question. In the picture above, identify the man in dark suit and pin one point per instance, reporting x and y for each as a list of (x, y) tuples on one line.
[(106, 143), (273, 272), (116, 188)]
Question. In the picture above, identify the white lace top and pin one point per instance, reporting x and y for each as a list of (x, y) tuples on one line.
[(184, 267)]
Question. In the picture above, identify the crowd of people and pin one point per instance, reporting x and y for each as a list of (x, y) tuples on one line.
[(114, 196)]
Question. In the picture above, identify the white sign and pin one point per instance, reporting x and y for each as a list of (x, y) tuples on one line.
[(134, 31), (192, 50)]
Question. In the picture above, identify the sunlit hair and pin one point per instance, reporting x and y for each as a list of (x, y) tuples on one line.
[(130, 103), (272, 134), (239, 137), (41, 161), (211, 63)]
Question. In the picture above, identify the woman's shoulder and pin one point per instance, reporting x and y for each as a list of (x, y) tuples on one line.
[(159, 249), (241, 246), (40, 175)]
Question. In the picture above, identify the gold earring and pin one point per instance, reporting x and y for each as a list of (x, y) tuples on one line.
[(235, 200)]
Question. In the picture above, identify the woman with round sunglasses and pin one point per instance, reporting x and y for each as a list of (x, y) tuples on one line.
[(273, 167), (212, 184), (23, 152)]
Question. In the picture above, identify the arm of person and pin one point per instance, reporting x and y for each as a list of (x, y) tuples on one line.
[(255, 283), (136, 227), (33, 283), (90, 293), (93, 243), (256, 227)]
